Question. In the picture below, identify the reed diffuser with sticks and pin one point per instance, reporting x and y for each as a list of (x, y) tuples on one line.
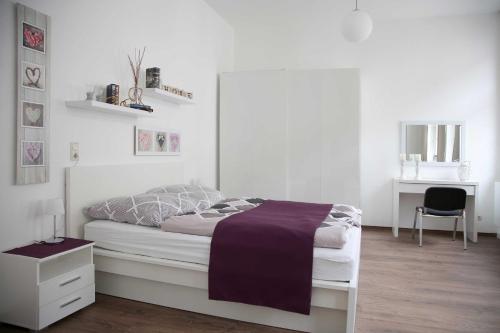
[(135, 93)]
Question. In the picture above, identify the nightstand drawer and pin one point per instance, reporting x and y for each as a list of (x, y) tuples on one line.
[(65, 284), (65, 306)]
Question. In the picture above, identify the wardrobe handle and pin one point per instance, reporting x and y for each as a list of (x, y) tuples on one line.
[(76, 278), (70, 302)]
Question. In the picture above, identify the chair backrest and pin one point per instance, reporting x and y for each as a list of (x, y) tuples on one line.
[(445, 198)]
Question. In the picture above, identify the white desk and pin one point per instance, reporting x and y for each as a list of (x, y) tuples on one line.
[(419, 186)]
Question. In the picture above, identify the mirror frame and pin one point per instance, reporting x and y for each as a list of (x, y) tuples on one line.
[(402, 149)]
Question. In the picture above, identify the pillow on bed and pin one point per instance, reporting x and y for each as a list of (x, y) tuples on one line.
[(202, 197), (149, 209)]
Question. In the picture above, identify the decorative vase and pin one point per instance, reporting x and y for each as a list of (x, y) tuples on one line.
[(135, 95), (402, 160), (417, 168), (464, 170)]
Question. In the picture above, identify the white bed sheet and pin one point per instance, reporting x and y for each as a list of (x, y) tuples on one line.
[(328, 264)]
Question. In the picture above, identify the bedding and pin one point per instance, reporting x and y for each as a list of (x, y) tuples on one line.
[(142, 209), (328, 264), (331, 233), (153, 207), (203, 197), (264, 256)]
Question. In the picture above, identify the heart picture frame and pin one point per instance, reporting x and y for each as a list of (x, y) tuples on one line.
[(33, 37), (33, 76), (32, 153), (32, 114)]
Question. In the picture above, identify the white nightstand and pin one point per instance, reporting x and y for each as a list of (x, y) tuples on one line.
[(41, 284)]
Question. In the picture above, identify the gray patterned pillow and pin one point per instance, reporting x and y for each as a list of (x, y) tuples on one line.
[(202, 197), (149, 209)]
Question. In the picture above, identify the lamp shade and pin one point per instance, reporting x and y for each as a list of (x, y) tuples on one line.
[(357, 26), (54, 207)]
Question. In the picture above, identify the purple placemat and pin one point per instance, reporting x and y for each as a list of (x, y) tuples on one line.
[(44, 250)]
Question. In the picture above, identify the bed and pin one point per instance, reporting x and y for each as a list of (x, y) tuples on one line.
[(133, 261)]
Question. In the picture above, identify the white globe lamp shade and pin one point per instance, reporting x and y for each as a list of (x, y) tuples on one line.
[(357, 26)]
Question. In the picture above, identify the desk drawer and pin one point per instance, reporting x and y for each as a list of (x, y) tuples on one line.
[(420, 188), (54, 311), (65, 284)]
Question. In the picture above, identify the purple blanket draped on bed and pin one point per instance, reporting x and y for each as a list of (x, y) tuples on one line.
[(264, 256)]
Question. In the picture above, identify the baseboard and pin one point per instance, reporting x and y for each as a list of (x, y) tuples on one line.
[(436, 231)]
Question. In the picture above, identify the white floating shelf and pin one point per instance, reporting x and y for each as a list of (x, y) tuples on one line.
[(167, 96), (108, 108)]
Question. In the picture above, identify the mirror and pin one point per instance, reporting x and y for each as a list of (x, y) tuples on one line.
[(434, 142)]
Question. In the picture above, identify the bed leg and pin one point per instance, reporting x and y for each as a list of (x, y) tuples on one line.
[(352, 296)]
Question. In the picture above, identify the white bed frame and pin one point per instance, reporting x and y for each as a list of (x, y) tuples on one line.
[(179, 284)]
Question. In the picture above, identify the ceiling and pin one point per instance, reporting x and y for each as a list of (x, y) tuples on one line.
[(237, 12)]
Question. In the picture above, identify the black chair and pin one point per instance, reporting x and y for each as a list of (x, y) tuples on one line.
[(442, 202)]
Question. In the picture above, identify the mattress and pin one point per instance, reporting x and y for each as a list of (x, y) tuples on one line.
[(328, 264)]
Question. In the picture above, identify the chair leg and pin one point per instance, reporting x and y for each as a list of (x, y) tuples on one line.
[(455, 229), (414, 225), (420, 220), (464, 221)]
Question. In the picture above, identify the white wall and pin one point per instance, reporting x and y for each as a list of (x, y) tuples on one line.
[(90, 43), (442, 68)]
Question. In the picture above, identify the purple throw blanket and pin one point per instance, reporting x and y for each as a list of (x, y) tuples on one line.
[(264, 256)]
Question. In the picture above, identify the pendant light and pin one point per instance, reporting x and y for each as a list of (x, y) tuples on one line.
[(357, 26)]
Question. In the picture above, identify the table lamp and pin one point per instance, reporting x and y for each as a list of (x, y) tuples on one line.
[(54, 207)]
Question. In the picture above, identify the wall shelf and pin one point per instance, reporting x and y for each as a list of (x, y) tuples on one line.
[(108, 108), (167, 96)]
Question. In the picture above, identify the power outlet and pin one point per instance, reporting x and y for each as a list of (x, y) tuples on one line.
[(74, 151), (479, 218)]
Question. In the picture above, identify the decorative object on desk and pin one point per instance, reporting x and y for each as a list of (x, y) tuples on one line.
[(409, 171), (32, 115), (54, 207), (33, 154), (153, 77), (33, 76), (402, 160), (464, 170), (135, 93), (113, 94), (418, 162), (33, 37), (155, 141), (33, 91)]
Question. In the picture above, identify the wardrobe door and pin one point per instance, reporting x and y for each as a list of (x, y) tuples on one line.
[(323, 135), (252, 134)]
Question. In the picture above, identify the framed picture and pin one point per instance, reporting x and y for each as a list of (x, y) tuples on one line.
[(174, 142), (33, 76), (32, 153), (155, 141), (32, 114), (33, 38)]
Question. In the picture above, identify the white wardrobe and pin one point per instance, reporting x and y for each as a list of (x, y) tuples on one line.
[(291, 135)]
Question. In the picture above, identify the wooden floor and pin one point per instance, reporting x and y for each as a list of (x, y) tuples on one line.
[(403, 288)]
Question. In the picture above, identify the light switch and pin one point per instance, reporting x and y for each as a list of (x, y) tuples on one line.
[(74, 151)]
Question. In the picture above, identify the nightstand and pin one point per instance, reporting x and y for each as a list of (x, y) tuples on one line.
[(41, 284)]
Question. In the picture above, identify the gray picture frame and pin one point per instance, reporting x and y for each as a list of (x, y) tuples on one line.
[(28, 172)]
